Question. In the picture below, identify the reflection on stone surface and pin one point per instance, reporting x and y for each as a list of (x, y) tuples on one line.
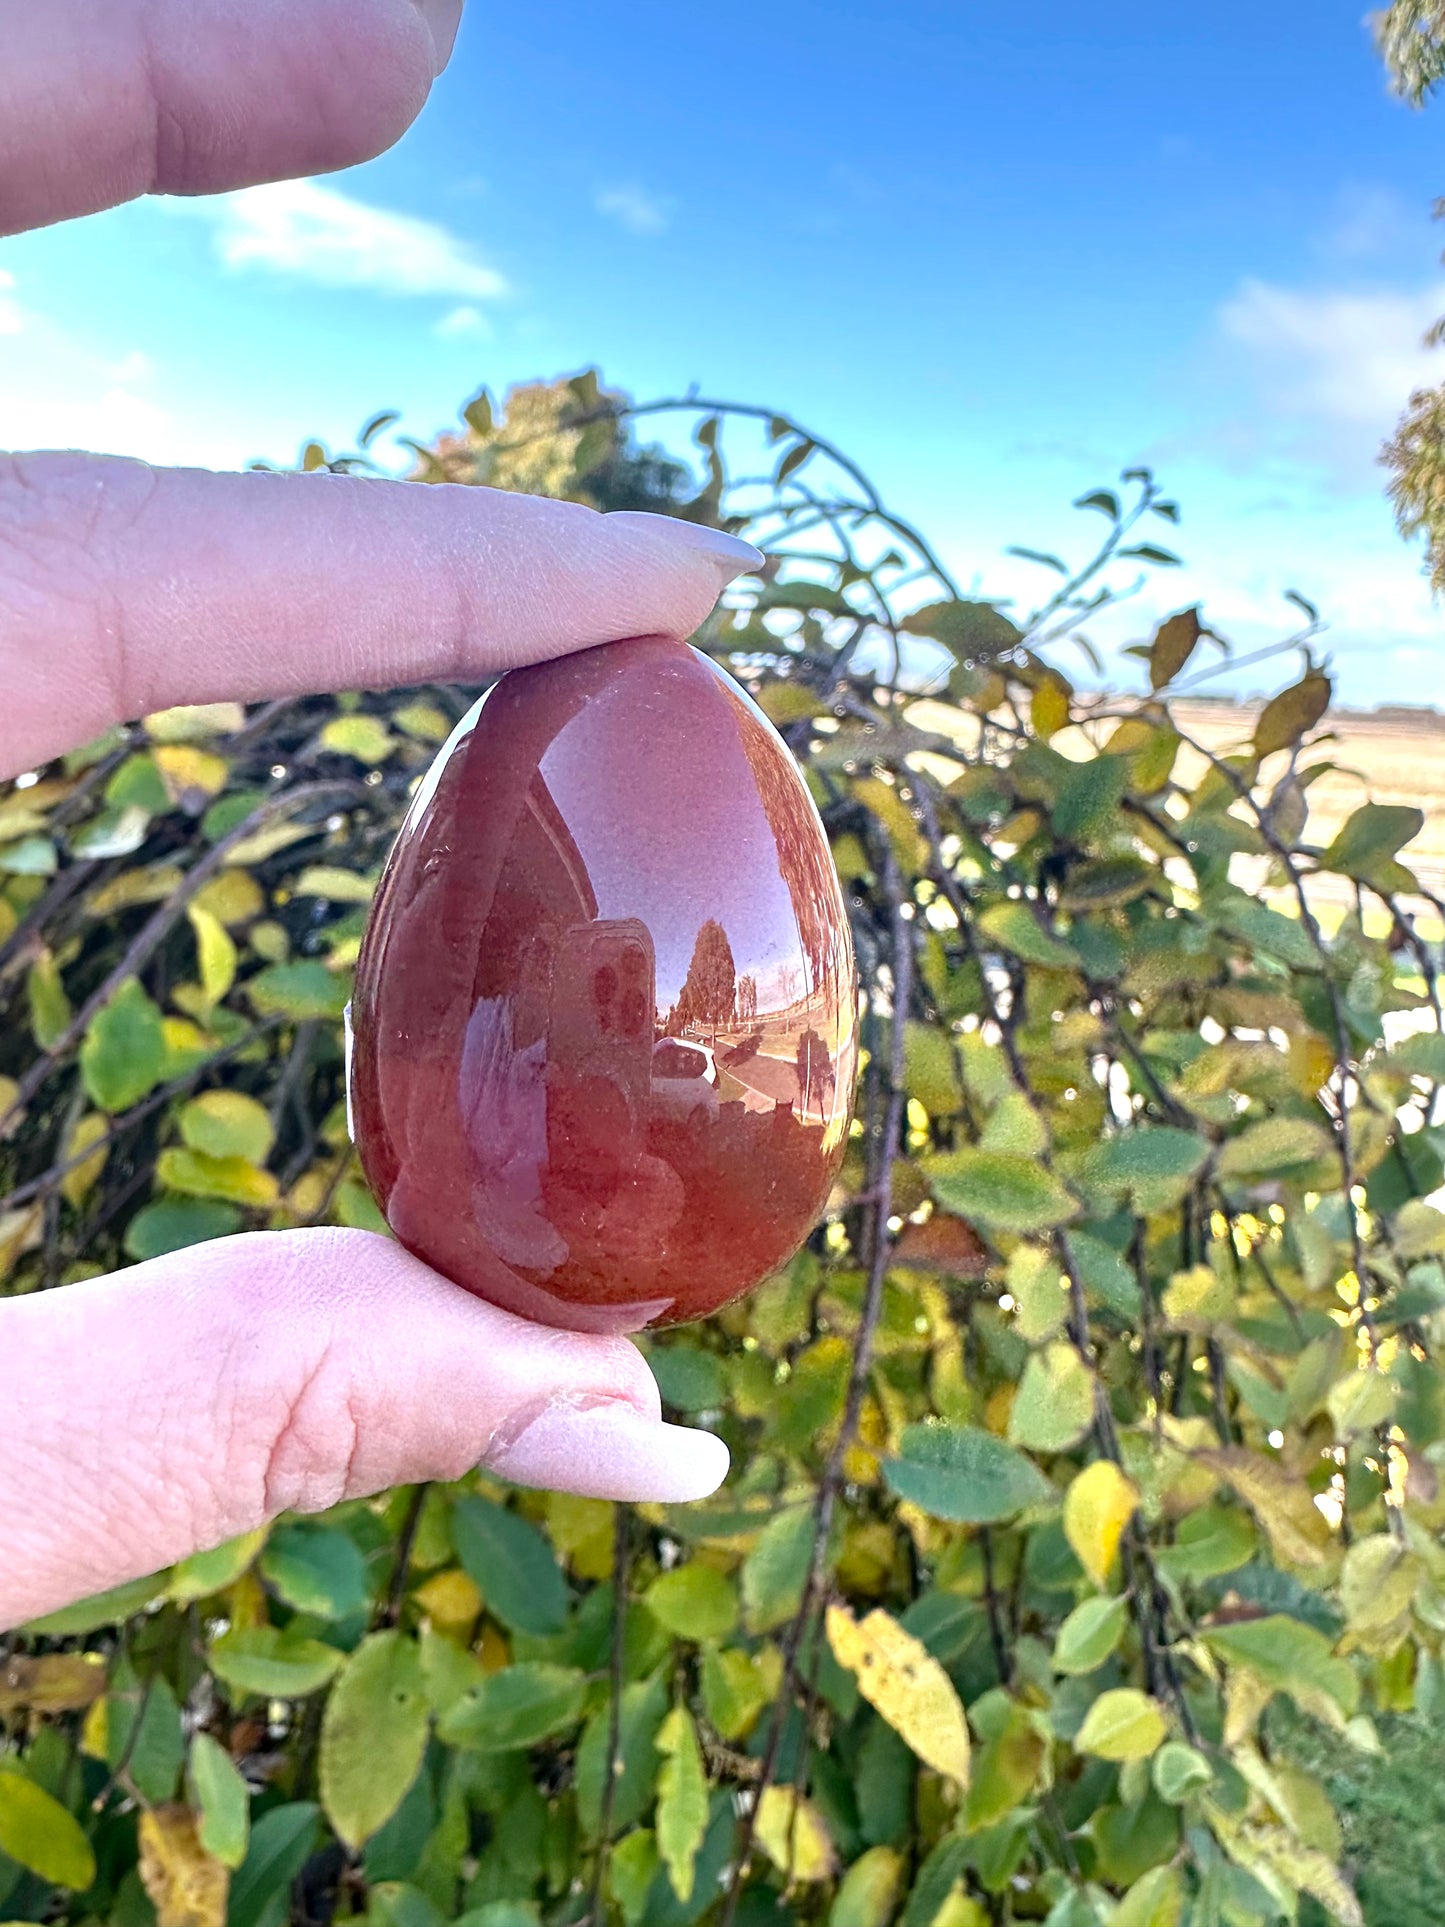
[(605, 1012)]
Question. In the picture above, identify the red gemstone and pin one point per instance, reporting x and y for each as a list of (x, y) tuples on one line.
[(605, 1018)]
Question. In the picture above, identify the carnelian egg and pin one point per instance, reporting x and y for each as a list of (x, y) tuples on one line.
[(604, 1030)]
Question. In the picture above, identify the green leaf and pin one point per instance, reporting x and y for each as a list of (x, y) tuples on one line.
[(1089, 1634), (1156, 1899), (735, 1689), (513, 1565), (364, 737), (1369, 840), (373, 1735), (104, 1609), (1122, 1724), (694, 1602), (526, 1702), (281, 1844), (222, 1800), (868, 1892), (644, 1706), (994, 1188), (273, 1663), (1286, 1654), (1209, 1543), (1055, 1402), (124, 1051), (232, 1180), (1268, 932), (228, 1124), (49, 1005), (1274, 1145), (317, 1570), (1153, 1165), (302, 989), (1013, 926), (776, 1570), (964, 1474), (40, 1835), (143, 1728), (682, 1802), (973, 631), (29, 856), (218, 1567), (1178, 1770), (173, 1223)]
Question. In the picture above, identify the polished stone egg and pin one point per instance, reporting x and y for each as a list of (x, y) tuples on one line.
[(604, 1030)]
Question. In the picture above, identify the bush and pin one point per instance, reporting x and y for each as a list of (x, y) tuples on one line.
[(1095, 1430)]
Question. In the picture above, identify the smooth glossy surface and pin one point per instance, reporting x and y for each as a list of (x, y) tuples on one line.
[(604, 1026)]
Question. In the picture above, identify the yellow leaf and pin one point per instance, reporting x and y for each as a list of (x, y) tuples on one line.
[(1122, 1724), (450, 1600), (1377, 1588), (51, 1683), (1097, 1507), (216, 953), (895, 816), (90, 1129), (1283, 1505), (21, 1230), (334, 884), (131, 887), (196, 723), (903, 1682), (1197, 1298), (1036, 1286), (794, 1835), (233, 1179), (232, 897), (192, 776), (1154, 1900), (186, 1885), (365, 737), (423, 721), (1049, 709)]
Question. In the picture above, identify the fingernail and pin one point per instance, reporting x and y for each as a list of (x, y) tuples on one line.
[(607, 1449), (734, 555), (442, 18)]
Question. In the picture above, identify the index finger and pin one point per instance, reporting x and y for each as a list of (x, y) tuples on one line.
[(125, 589), (101, 103)]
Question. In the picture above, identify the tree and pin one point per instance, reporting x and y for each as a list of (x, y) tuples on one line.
[(1085, 1524), (1411, 37), (708, 996)]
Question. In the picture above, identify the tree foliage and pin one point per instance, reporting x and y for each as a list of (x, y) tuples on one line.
[(1411, 37), (1087, 1456)]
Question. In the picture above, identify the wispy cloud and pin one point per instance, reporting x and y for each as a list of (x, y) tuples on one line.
[(1298, 386), (462, 324), (1335, 354), (634, 208), (318, 233), (12, 316)]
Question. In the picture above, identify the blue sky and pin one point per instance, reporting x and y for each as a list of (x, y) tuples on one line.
[(998, 255)]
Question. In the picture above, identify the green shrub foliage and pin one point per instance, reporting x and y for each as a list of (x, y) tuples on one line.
[(1089, 1450)]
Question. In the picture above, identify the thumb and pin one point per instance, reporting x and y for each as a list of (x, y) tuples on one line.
[(172, 1406)]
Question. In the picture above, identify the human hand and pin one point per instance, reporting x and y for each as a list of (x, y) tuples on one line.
[(184, 1401)]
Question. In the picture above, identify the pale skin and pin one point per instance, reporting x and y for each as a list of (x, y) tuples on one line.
[(181, 1402)]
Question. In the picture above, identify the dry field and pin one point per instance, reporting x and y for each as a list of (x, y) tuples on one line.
[(1390, 755)]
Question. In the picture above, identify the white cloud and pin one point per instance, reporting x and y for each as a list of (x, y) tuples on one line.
[(318, 233), (12, 315), (634, 208), (1334, 354), (461, 324)]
